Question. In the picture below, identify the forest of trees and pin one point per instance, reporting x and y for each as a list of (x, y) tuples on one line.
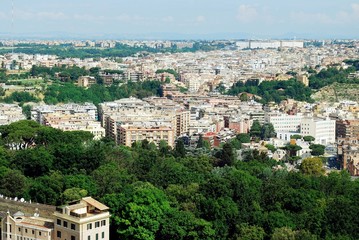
[(162, 193), (120, 50), (68, 92), (275, 91)]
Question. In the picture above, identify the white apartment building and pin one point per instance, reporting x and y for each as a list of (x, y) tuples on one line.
[(284, 122), (323, 130), (37, 112), (74, 122)]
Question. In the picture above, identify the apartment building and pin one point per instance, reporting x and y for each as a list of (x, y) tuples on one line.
[(348, 154), (132, 111), (74, 122), (39, 111), (323, 130), (347, 128), (154, 131), (86, 219), (70, 117), (284, 122), (10, 113)]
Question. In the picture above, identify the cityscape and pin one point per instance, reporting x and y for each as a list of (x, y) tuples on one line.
[(165, 128)]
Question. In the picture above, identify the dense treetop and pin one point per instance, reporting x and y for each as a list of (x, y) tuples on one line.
[(159, 193)]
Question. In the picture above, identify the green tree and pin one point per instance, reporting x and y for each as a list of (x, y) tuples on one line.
[(317, 149), (283, 233), (72, 194), (308, 138), (200, 143), (13, 184), (267, 131), (111, 178), (296, 136), (247, 232), (179, 150), (33, 162), (20, 134), (312, 166), (256, 129), (244, 97), (226, 155), (137, 213), (243, 137)]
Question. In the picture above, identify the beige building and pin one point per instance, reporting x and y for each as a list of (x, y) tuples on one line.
[(10, 113), (86, 219), (74, 122), (21, 227), (152, 131), (86, 81), (135, 112), (303, 79)]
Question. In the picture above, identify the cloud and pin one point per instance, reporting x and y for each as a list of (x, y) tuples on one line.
[(342, 17), (247, 13), (167, 19), (200, 19), (52, 16), (355, 8), (89, 17), (129, 18), (304, 17), (3, 15)]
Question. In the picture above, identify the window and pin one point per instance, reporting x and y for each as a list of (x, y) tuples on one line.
[(103, 234), (58, 222), (58, 234), (65, 224), (73, 238), (39, 233), (103, 223), (33, 231), (96, 236), (97, 224), (19, 229), (73, 227), (89, 238), (89, 226), (25, 230)]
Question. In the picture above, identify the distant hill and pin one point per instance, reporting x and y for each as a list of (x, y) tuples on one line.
[(337, 92)]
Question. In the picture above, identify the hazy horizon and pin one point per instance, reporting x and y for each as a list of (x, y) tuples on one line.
[(185, 19)]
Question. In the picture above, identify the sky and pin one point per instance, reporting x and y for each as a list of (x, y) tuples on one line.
[(219, 19)]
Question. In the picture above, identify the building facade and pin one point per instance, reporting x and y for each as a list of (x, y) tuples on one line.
[(85, 219), (323, 130)]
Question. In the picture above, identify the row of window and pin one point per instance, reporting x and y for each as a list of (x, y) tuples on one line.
[(96, 237), (65, 224), (97, 224), (58, 234)]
